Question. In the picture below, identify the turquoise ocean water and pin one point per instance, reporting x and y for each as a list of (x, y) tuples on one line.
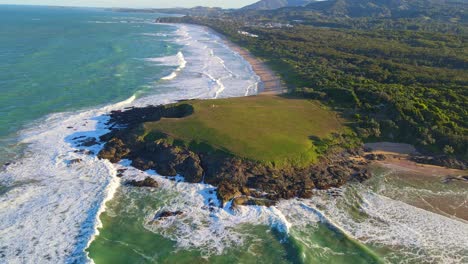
[(63, 69), (62, 59)]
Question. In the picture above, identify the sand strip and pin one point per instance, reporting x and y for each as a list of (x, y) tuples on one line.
[(271, 82), (397, 157)]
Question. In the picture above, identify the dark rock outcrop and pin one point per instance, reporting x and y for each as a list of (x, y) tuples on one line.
[(74, 161), (168, 160), (245, 181), (165, 214), (373, 156), (135, 116), (120, 172), (444, 161), (114, 150), (449, 179), (147, 182), (246, 200), (88, 142)]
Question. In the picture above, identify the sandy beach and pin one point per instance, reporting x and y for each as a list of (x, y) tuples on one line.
[(397, 157), (417, 174), (271, 82), (396, 154)]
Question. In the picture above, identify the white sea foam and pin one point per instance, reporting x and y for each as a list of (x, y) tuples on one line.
[(428, 237), (176, 60), (170, 76), (215, 228), (51, 214), (159, 34), (201, 71), (123, 20), (424, 236), (419, 235)]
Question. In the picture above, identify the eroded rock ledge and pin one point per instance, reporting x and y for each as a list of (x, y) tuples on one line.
[(443, 161), (245, 181)]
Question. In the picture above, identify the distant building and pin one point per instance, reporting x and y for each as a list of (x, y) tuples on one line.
[(245, 33), (277, 25), (269, 25)]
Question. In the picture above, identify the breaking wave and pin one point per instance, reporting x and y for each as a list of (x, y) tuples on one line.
[(57, 190)]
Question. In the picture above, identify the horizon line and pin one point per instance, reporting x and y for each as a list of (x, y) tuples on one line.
[(103, 7)]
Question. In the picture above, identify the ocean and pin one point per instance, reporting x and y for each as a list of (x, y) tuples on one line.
[(62, 70)]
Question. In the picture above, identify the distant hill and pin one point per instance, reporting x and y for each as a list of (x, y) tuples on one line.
[(275, 4), (194, 11), (391, 8)]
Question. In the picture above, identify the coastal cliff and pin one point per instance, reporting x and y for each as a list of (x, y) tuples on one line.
[(243, 180)]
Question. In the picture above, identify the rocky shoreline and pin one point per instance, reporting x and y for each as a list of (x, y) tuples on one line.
[(243, 181), (442, 160)]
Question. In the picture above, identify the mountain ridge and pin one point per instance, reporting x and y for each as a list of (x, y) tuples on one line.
[(275, 4), (388, 8)]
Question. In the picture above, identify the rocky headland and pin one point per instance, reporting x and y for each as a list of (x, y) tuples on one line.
[(244, 181)]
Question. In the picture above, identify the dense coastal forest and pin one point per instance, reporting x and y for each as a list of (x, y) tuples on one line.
[(399, 76)]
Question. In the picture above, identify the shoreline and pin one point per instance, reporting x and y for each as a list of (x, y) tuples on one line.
[(115, 182), (397, 156), (265, 92), (271, 82)]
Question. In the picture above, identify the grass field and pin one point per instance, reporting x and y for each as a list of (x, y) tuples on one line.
[(271, 129)]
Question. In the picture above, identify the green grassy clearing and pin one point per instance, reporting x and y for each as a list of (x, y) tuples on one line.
[(271, 129)]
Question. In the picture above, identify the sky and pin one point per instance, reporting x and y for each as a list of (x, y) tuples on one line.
[(134, 3)]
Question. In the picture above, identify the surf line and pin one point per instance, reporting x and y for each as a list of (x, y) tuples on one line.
[(335, 227), (182, 63)]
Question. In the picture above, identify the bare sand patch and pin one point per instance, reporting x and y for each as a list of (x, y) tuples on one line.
[(397, 159)]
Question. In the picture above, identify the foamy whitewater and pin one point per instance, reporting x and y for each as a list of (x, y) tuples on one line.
[(51, 216), (52, 213)]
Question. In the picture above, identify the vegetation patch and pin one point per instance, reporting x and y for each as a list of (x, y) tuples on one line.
[(270, 129), (399, 80), (256, 150)]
